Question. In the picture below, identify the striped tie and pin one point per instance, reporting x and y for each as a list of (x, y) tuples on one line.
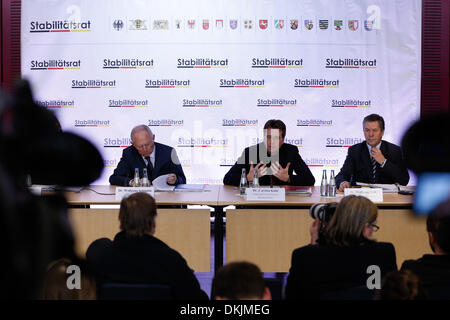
[(374, 170)]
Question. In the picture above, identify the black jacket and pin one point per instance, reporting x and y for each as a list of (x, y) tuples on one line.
[(320, 269), (431, 269), (287, 153), (131, 159), (358, 165), (143, 260)]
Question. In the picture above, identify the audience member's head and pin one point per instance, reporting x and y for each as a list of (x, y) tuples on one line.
[(60, 282), (425, 145), (137, 215), (274, 134), (438, 227), (239, 281), (354, 219), (401, 285)]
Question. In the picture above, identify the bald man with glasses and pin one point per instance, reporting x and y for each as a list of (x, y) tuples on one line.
[(159, 159)]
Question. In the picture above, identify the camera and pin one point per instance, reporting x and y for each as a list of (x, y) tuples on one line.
[(322, 211)]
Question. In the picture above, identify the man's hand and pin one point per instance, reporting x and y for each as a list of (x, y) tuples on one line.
[(262, 171), (377, 155), (344, 185), (280, 172), (171, 178)]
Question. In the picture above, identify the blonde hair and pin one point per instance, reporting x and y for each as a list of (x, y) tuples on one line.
[(346, 226)]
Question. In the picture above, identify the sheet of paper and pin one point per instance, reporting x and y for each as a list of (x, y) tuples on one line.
[(190, 188), (373, 194)]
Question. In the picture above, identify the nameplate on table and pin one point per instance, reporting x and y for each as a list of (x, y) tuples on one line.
[(373, 194), (265, 194), (122, 192)]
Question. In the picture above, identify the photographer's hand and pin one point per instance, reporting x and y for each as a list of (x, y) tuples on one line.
[(314, 231)]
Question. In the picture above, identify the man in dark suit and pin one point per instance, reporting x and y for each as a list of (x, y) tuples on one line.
[(373, 160), (144, 152), (136, 256), (275, 161)]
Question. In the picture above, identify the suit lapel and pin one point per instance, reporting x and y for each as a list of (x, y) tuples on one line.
[(157, 163)]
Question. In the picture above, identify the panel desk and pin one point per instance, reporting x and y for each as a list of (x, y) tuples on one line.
[(266, 233), (185, 230)]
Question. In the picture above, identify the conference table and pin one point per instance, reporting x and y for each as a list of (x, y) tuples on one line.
[(261, 232)]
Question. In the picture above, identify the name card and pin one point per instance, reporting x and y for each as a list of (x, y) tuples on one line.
[(373, 194), (265, 194), (123, 192)]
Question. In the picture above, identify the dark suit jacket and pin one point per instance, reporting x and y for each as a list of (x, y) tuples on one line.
[(131, 159), (287, 153), (143, 260), (320, 269), (358, 165), (431, 269)]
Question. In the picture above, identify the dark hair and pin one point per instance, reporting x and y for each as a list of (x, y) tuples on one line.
[(438, 223), (238, 280), (55, 283), (276, 124), (401, 285), (137, 214), (375, 117)]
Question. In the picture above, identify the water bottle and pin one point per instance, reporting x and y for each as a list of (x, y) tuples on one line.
[(332, 185), (243, 183), (145, 182), (136, 177), (323, 184), (255, 178)]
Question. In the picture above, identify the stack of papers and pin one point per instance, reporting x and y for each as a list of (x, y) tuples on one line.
[(387, 188), (160, 184), (190, 188)]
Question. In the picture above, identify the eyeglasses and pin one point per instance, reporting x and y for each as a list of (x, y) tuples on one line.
[(375, 227)]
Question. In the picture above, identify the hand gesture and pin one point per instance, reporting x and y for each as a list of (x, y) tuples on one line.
[(262, 171)]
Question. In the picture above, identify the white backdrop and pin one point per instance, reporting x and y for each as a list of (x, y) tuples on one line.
[(206, 75)]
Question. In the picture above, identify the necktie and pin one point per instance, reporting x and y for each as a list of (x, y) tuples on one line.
[(149, 167), (374, 170)]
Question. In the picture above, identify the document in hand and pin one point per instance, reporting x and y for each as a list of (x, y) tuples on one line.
[(160, 184), (189, 188), (298, 190)]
